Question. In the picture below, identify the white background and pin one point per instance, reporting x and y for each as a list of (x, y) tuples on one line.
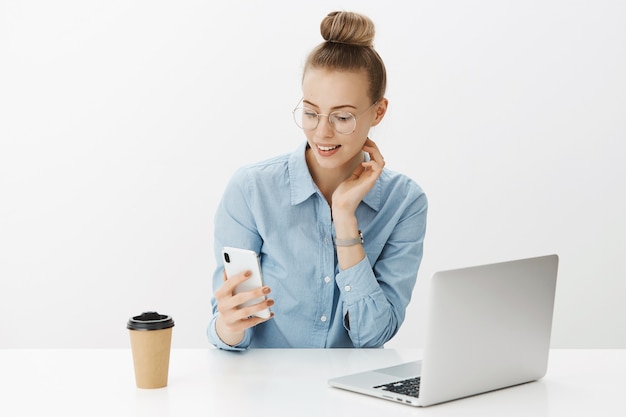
[(121, 121)]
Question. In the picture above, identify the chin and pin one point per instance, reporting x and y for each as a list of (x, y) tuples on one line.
[(326, 163)]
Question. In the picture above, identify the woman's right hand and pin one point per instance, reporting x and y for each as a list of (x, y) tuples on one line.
[(232, 321)]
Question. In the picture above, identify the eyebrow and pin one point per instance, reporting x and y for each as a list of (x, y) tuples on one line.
[(332, 108)]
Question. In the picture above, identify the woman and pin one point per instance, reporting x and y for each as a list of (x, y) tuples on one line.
[(340, 238)]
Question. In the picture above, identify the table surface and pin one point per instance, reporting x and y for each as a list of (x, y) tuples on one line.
[(284, 382)]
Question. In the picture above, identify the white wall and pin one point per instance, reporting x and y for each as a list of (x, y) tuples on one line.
[(120, 122)]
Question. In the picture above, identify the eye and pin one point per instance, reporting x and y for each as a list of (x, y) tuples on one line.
[(309, 113), (342, 117)]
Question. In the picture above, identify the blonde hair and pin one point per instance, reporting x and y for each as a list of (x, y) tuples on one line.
[(349, 46)]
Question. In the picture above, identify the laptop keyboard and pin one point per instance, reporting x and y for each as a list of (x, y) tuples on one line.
[(410, 387)]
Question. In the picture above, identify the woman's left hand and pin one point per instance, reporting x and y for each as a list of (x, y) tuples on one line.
[(351, 192)]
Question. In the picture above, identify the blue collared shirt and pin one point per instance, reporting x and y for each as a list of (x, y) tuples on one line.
[(275, 209)]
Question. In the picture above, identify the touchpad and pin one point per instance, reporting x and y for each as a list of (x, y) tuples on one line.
[(405, 370)]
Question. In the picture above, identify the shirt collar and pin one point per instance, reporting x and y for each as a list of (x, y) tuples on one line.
[(303, 186), (300, 180)]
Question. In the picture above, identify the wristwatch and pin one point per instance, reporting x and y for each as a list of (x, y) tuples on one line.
[(349, 242)]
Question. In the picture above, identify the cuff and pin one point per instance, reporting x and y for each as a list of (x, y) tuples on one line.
[(218, 343), (357, 282)]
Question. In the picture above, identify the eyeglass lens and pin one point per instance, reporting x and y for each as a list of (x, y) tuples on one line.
[(341, 121)]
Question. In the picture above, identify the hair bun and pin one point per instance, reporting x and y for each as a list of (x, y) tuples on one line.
[(348, 28)]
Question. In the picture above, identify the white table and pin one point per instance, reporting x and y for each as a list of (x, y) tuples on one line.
[(277, 382)]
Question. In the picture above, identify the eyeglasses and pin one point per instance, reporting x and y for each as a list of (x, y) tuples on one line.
[(342, 122)]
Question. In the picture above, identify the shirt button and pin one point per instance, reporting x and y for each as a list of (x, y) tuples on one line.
[(327, 280), (347, 288), (323, 318)]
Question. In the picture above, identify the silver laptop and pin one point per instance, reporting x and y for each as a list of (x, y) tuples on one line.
[(488, 328)]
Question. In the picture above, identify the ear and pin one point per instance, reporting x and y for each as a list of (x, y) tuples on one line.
[(381, 110)]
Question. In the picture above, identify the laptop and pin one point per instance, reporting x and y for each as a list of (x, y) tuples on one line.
[(488, 327)]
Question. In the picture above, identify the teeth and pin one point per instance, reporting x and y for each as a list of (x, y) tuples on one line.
[(328, 148)]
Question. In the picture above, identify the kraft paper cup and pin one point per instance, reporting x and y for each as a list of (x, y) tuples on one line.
[(151, 340)]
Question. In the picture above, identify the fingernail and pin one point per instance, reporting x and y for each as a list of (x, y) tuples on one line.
[(248, 273), (266, 290)]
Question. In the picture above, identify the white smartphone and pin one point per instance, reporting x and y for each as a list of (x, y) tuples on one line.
[(237, 261)]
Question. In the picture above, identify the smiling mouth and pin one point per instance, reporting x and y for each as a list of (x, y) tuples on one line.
[(328, 148)]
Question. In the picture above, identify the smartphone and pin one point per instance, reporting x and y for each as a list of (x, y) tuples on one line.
[(237, 261)]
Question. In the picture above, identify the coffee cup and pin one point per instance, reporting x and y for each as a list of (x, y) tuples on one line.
[(151, 340)]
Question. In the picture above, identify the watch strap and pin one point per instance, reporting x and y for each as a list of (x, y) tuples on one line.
[(349, 242)]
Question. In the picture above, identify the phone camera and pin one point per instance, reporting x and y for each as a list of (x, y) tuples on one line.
[(226, 257)]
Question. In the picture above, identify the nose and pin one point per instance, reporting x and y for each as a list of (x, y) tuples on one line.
[(324, 129)]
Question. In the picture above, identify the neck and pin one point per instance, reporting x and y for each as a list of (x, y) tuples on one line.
[(328, 179)]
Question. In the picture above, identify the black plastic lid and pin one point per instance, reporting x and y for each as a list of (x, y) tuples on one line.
[(150, 320)]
